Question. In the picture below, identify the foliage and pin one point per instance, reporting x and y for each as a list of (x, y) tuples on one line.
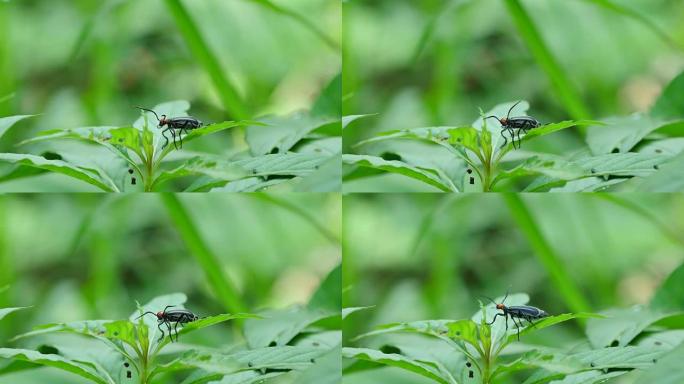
[(283, 150), (618, 150), (298, 339), (487, 352)]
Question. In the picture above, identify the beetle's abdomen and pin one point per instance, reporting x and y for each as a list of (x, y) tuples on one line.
[(527, 311), (523, 122), (184, 123)]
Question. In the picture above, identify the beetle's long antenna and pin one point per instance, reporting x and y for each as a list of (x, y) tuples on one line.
[(488, 298), (149, 110), (506, 297), (151, 313), (509, 111), (492, 117)]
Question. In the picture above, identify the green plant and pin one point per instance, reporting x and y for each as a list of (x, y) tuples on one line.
[(618, 149), (642, 341), (302, 341), (302, 149)]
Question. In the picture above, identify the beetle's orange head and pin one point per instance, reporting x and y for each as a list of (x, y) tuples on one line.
[(500, 306), (503, 121), (163, 121), (160, 315)]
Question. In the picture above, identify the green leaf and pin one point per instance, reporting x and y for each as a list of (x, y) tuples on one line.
[(670, 104), (621, 326), (279, 326), (431, 370), (326, 370), (560, 82), (621, 134), (327, 178), (349, 310), (621, 164), (587, 377), (555, 127), (90, 176), (56, 361), (395, 166), (328, 296), (667, 370), (213, 320), (558, 365), (551, 166), (346, 120), (467, 137), (329, 102), (282, 133), (7, 122), (215, 168), (670, 178), (6, 311), (208, 130), (247, 377), (670, 294), (292, 164), (553, 320)]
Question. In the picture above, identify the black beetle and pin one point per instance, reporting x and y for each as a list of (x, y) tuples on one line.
[(520, 312), (521, 123), (182, 124), (177, 316)]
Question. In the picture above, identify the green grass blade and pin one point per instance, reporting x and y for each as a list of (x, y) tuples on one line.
[(282, 203), (549, 259), (645, 213), (223, 288), (306, 23), (229, 95), (608, 4), (541, 53)]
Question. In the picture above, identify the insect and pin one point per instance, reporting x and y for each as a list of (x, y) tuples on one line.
[(177, 316), (182, 124), (520, 312), (509, 124)]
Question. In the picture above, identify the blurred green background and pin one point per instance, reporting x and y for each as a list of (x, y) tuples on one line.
[(419, 257), (435, 62), (88, 63), (86, 256)]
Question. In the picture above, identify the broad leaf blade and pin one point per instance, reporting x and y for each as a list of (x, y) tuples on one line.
[(55, 361), (399, 167), (6, 311), (7, 122), (59, 166), (427, 369)]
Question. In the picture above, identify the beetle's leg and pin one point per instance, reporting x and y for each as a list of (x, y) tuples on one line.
[(517, 327), (519, 142), (529, 320), (494, 318), (175, 329), (162, 332), (175, 144), (165, 138), (505, 138), (168, 326)]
